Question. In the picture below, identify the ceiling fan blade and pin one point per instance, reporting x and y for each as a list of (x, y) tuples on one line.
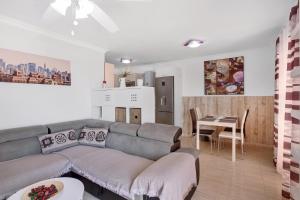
[(102, 18), (57, 9), (61, 6)]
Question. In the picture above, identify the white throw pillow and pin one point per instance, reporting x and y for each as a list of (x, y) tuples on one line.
[(93, 136), (57, 141)]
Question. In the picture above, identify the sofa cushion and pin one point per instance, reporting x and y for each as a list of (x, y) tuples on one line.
[(111, 169), (18, 142), (77, 125), (19, 148), (93, 136), (147, 148), (28, 170), (57, 141), (124, 128), (161, 132), (95, 123), (21, 133)]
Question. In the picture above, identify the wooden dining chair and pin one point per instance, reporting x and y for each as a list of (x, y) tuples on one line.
[(240, 133), (203, 132), (199, 116)]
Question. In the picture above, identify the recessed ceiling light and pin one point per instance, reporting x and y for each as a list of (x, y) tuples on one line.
[(126, 60), (193, 43), (75, 23), (72, 33)]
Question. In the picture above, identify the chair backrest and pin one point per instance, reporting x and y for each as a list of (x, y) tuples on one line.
[(243, 125), (194, 120), (198, 113)]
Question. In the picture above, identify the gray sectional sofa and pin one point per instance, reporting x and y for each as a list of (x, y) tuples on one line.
[(131, 154)]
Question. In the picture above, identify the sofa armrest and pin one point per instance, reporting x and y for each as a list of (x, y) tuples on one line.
[(160, 179), (195, 153)]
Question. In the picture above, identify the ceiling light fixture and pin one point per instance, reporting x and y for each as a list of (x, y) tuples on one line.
[(126, 60), (193, 43), (83, 7), (72, 33), (61, 6)]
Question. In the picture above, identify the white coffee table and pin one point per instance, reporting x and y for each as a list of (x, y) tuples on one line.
[(73, 189)]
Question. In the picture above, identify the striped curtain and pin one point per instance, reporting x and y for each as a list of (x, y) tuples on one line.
[(276, 103), (291, 152)]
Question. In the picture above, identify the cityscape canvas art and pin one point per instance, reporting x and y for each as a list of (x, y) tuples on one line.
[(224, 76), (19, 67)]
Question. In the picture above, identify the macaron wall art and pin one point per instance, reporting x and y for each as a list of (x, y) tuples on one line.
[(224, 76)]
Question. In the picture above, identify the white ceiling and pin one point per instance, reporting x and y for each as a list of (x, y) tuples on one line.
[(154, 31)]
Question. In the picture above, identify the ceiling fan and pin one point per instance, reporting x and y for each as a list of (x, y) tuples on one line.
[(82, 9)]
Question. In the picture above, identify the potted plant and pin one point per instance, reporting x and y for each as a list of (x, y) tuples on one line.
[(123, 76)]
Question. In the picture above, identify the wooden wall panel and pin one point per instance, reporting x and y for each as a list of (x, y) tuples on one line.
[(259, 126)]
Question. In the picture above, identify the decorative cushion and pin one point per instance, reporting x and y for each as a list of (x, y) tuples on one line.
[(93, 136), (57, 141)]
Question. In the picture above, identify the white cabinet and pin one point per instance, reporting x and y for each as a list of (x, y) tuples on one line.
[(104, 98), (122, 99), (107, 113), (104, 102), (135, 98)]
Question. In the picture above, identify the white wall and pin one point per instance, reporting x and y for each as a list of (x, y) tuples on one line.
[(189, 74), (31, 104), (259, 72)]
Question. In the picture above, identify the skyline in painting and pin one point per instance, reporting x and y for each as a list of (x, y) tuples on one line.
[(19, 67)]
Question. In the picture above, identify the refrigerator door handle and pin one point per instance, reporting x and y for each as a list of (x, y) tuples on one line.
[(163, 101)]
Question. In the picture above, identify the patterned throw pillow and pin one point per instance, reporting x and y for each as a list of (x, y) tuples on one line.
[(57, 141), (93, 136)]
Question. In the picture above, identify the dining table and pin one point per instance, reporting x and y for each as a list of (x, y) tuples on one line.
[(219, 121)]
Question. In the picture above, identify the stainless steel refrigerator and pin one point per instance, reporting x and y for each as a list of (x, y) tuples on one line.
[(164, 100)]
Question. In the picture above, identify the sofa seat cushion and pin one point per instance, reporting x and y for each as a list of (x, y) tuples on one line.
[(27, 170), (109, 168)]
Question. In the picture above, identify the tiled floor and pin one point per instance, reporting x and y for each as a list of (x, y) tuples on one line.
[(252, 177)]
